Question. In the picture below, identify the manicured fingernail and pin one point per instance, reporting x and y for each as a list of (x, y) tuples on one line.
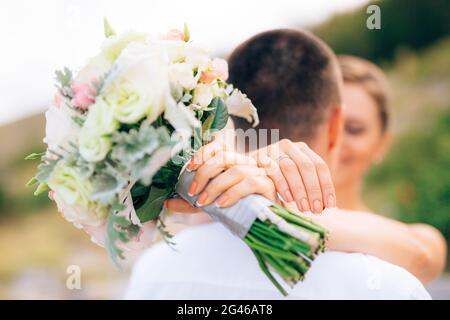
[(305, 205), (191, 165), (317, 205), (192, 188), (288, 196), (202, 198), (331, 202), (222, 200)]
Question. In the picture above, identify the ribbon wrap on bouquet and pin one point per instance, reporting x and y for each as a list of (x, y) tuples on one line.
[(237, 218)]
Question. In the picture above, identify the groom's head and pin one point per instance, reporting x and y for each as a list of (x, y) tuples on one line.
[(293, 79)]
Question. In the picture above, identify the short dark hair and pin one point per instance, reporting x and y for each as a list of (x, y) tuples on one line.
[(292, 78)]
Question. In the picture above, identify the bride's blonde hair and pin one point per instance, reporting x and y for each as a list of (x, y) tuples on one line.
[(373, 81)]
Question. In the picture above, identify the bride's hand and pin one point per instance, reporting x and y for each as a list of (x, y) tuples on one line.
[(230, 181), (226, 174), (298, 174)]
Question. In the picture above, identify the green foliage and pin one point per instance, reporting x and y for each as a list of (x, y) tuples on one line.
[(64, 80), (134, 144), (153, 205), (107, 29), (215, 119), (107, 184), (414, 181), (119, 230), (220, 114), (45, 168), (134, 148), (187, 34), (34, 156)]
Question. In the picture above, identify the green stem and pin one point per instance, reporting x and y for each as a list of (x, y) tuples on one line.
[(266, 271), (290, 273), (255, 244), (270, 231), (290, 217), (282, 244)]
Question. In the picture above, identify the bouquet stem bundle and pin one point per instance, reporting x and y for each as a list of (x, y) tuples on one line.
[(288, 256)]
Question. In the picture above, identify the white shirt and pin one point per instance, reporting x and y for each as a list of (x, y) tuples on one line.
[(211, 263)]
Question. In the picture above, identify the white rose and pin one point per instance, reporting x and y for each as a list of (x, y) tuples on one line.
[(60, 129), (203, 95), (182, 74), (93, 147), (140, 86), (100, 119)]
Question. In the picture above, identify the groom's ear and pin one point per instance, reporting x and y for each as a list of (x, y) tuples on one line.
[(335, 126)]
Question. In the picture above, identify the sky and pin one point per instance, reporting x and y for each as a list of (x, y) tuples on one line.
[(38, 37)]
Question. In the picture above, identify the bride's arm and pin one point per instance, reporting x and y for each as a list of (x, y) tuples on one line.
[(436, 244), (418, 248)]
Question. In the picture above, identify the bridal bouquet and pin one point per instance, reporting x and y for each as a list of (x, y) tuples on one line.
[(121, 131)]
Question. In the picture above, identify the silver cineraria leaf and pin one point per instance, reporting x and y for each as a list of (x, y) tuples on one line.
[(133, 145), (106, 184)]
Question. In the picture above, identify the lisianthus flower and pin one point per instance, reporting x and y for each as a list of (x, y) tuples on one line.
[(182, 74), (93, 147), (239, 105), (60, 128), (71, 193), (100, 119), (197, 56), (203, 95), (217, 70)]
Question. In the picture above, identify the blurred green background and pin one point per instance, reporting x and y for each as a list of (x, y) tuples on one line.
[(412, 184), (413, 48)]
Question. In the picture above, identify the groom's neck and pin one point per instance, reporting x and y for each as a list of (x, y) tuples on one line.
[(319, 145)]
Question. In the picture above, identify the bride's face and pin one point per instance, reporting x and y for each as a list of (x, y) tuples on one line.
[(364, 141)]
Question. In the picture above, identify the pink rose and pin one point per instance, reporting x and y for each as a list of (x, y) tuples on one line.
[(174, 34), (219, 70), (83, 95)]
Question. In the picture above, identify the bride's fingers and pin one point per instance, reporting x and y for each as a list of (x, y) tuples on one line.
[(325, 180), (290, 171), (216, 165), (225, 181), (308, 173), (205, 153), (251, 185), (273, 171), (180, 206), (312, 185)]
